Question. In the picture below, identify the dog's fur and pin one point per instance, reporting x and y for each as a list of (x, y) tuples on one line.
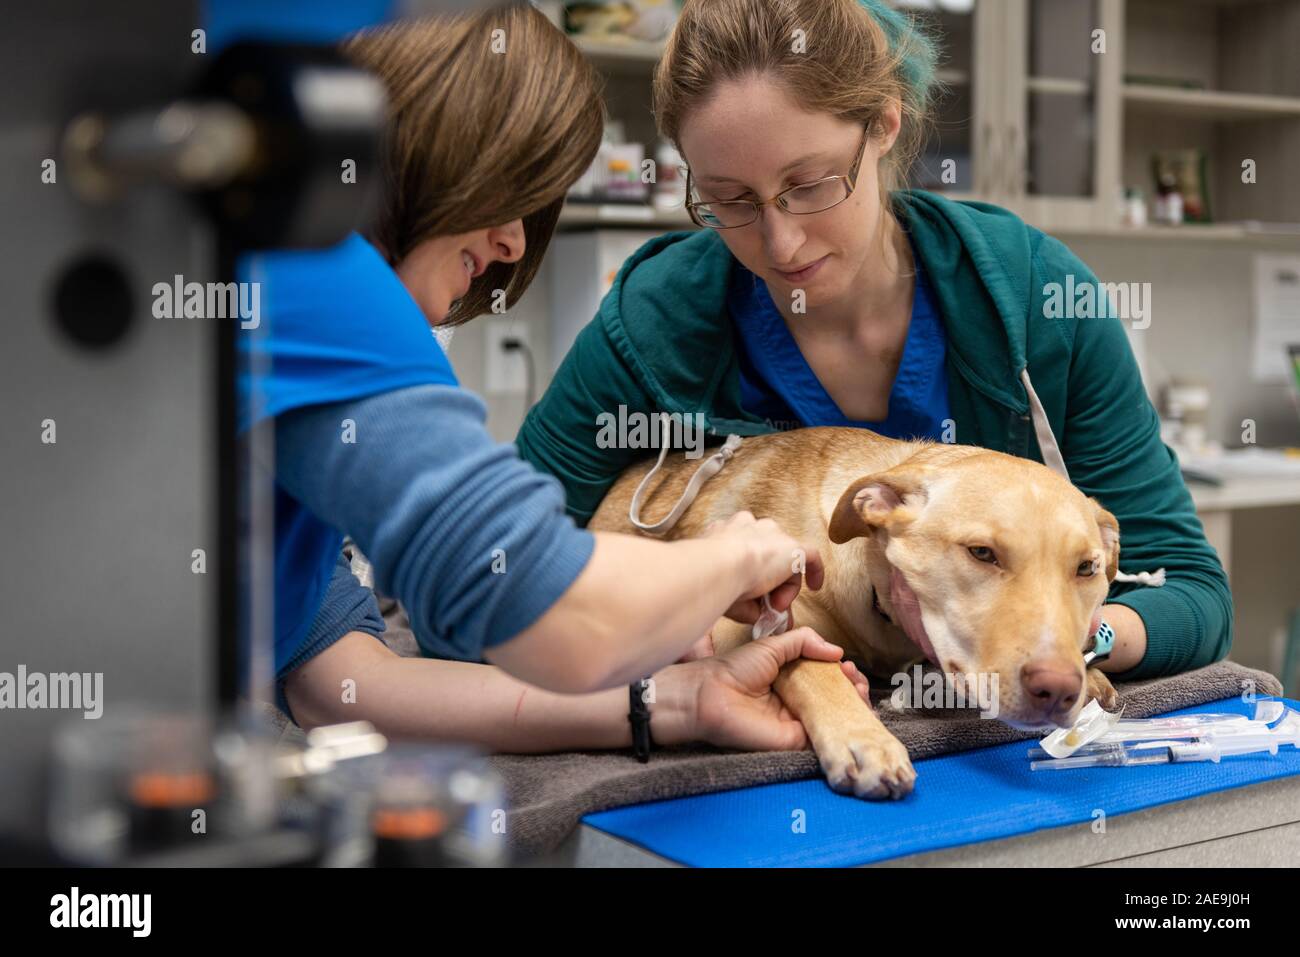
[(879, 509)]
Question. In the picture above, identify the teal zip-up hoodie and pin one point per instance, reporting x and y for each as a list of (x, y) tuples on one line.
[(663, 342)]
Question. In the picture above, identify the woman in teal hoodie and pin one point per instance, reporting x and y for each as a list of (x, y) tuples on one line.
[(816, 293)]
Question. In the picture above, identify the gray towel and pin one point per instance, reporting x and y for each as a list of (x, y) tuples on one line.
[(549, 793)]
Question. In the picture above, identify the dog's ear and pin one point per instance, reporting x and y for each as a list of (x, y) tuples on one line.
[(876, 501), (1109, 526)]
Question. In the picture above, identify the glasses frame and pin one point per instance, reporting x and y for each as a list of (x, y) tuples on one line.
[(779, 199)]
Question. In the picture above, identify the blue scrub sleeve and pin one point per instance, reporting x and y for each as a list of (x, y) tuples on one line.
[(473, 541)]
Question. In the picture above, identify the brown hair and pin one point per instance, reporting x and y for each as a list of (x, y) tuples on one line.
[(859, 55), (478, 138)]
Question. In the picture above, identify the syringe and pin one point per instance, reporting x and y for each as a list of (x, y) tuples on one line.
[(1112, 756), (1210, 746)]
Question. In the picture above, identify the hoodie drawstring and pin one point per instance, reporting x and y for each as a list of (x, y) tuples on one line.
[(710, 467), (1053, 459)]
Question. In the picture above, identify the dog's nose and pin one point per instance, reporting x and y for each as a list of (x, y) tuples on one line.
[(1052, 687)]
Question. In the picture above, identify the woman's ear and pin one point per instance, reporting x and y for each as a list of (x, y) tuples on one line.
[(888, 125), (876, 501), (1109, 527)]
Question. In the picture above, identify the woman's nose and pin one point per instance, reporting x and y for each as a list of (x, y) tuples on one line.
[(507, 241), (782, 237)]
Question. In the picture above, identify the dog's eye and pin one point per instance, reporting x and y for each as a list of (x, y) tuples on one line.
[(982, 553), (1087, 568)]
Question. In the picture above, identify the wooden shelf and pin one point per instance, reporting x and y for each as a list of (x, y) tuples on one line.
[(1209, 104), (1066, 86), (578, 215), (1259, 233), (620, 55), (619, 214)]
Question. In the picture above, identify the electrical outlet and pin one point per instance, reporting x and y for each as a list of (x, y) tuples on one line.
[(505, 373)]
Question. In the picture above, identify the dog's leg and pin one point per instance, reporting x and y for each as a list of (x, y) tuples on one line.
[(854, 748), (728, 634), (856, 751), (1099, 687)]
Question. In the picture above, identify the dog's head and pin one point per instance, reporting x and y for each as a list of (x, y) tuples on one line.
[(998, 565)]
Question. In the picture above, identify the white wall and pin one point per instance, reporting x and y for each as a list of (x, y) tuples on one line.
[(1201, 326)]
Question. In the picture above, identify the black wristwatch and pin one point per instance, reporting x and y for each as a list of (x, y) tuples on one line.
[(639, 715)]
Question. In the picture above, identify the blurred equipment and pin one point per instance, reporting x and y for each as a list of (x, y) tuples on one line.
[(1187, 406), (615, 175), (1134, 211), (1182, 191), (153, 788), (649, 21), (109, 484), (133, 158), (438, 807), (1210, 463), (265, 144)]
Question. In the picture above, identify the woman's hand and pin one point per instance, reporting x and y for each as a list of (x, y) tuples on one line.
[(779, 564), (727, 699)]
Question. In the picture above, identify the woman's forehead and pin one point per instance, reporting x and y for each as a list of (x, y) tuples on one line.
[(728, 140)]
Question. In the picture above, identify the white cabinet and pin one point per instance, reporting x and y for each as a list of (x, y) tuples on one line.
[(1055, 106), (1031, 105), (953, 159), (582, 267), (1061, 125), (1052, 107)]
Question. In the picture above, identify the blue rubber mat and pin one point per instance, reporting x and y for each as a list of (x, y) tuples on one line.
[(959, 799)]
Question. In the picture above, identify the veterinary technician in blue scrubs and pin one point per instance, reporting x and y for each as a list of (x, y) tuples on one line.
[(373, 438), (817, 293)]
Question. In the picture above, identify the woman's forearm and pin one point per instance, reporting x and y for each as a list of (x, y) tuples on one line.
[(461, 701), (637, 604), (478, 549), (1130, 638)]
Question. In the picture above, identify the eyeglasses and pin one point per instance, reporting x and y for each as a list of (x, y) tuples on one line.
[(801, 200)]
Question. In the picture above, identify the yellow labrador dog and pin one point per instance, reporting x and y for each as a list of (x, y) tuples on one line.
[(983, 563)]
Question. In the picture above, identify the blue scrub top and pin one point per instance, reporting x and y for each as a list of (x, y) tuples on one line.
[(777, 383), (334, 325)]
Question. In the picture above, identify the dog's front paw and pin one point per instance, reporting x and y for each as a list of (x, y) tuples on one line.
[(867, 763), (1099, 687)]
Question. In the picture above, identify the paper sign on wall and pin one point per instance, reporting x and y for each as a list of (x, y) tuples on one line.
[(1277, 314)]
